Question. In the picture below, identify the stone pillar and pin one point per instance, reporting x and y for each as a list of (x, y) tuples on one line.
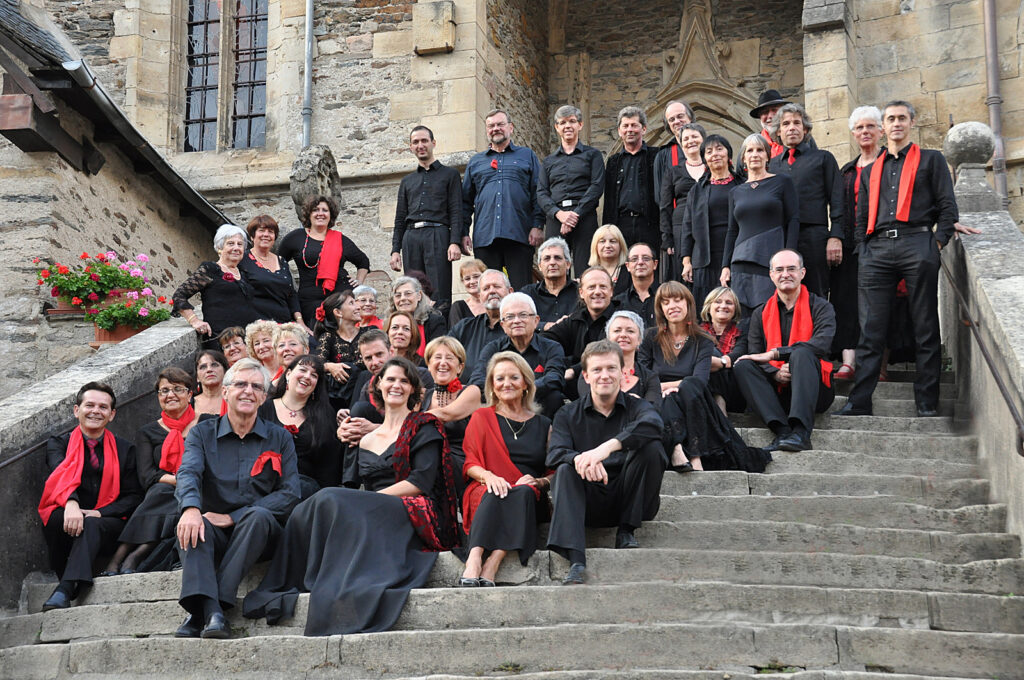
[(968, 148), (830, 85)]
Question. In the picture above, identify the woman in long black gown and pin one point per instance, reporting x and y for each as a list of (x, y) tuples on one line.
[(505, 445), (676, 183), (359, 553)]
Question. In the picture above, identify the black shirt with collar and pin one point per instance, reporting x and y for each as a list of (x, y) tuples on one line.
[(545, 357), (577, 176), (629, 184), (553, 307), (823, 318), (88, 492), (932, 202), (579, 329), (630, 300), (474, 333), (431, 194), (819, 185), (580, 427)]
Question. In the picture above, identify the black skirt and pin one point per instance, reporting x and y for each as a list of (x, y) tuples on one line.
[(508, 523), (155, 519)]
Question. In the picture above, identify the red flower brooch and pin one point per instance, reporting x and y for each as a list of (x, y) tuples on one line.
[(494, 163), (453, 387), (320, 313), (228, 276)]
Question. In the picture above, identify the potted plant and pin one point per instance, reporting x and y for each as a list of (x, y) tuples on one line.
[(91, 281), (121, 319)]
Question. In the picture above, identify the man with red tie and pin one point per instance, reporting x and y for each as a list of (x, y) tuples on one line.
[(91, 490), (908, 190)]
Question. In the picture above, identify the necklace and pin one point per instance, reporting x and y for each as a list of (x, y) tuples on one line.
[(515, 432), (679, 345), (295, 413), (695, 165), (262, 263), (725, 180), (318, 256)]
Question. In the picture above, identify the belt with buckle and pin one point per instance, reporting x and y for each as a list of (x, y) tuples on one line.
[(630, 213), (567, 203), (896, 232), (420, 225)]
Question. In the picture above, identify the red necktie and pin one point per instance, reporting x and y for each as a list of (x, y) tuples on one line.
[(94, 460), (792, 155)]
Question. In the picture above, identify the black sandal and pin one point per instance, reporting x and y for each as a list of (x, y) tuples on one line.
[(685, 467)]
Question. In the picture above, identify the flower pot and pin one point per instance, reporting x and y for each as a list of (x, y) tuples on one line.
[(114, 336), (63, 309)]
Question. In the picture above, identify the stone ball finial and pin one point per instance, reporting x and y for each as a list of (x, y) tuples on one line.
[(969, 142), (314, 173)]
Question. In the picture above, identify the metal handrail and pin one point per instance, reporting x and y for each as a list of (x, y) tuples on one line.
[(32, 449), (1004, 390)]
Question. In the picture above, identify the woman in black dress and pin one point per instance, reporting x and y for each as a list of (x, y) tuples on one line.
[(299, 404), (764, 217), (159, 448), (227, 296), (274, 296), (337, 338), (722, 320), (359, 553), (505, 445), (320, 253), (407, 297), (470, 271), (676, 183), (706, 218)]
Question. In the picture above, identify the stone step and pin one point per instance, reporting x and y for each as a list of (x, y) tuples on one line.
[(543, 648), (767, 673), (839, 462), (907, 374), (895, 390), (942, 447), (877, 423), (898, 407)]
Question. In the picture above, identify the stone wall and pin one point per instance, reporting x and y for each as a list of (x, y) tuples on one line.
[(90, 27), (518, 30)]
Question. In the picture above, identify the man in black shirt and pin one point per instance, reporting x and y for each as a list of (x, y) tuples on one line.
[(557, 296), (785, 378), (570, 186), (428, 218), (608, 459), (474, 333), (630, 198), (587, 323), (639, 297), (237, 484), (820, 189), (92, 487), (902, 194)]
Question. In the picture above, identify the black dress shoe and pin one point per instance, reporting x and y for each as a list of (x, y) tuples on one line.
[(217, 628), (849, 409), (797, 441), (576, 576), (626, 539), (925, 412), (681, 468), (59, 600), (191, 628), (774, 444)]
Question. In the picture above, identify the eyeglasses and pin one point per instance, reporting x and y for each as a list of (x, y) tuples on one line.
[(177, 389), (787, 270), (256, 387), (521, 316), (639, 258)]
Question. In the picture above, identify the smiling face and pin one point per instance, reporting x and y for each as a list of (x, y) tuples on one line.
[(264, 238), (400, 332), (302, 380), (209, 372), (395, 387), (786, 272), (767, 115), (471, 281), (604, 374), (444, 366), (320, 218), (631, 131), (625, 334), (288, 347), (367, 305), (723, 309), (674, 309), (232, 250), (406, 298), (246, 393), (553, 264), (422, 146), (677, 117), (234, 349), (568, 129), (374, 355), (755, 157), (351, 310), (493, 290), (519, 321), (640, 261), (173, 397), (596, 291), (717, 158), (94, 413), (499, 129), (690, 142), (508, 384), (263, 347)]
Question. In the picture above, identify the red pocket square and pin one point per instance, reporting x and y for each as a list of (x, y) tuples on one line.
[(539, 369), (272, 456)]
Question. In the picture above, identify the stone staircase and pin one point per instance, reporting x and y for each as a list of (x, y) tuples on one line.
[(875, 554)]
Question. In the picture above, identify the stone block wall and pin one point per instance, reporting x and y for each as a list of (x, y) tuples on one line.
[(518, 30)]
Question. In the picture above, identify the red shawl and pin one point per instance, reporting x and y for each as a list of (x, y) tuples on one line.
[(63, 481), (801, 330), (330, 261), (727, 340), (173, 447), (432, 514), (777, 148), (906, 193), (485, 447)]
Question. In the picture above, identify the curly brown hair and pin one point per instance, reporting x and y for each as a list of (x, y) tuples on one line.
[(312, 202)]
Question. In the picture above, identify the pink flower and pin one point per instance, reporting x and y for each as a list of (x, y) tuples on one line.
[(143, 311), (124, 267), (147, 291), (132, 295), (136, 272), (111, 255), (142, 257)]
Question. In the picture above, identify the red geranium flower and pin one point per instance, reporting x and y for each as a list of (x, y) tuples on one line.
[(93, 296), (161, 299), (94, 277), (320, 313), (76, 300), (54, 292), (45, 274), (83, 256), (35, 260), (92, 311), (102, 257), (61, 269)]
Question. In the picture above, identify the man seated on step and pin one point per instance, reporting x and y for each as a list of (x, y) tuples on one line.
[(237, 483), (785, 378), (91, 490), (606, 451)]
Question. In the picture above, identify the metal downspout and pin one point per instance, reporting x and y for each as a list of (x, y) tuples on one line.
[(994, 100), (307, 85)]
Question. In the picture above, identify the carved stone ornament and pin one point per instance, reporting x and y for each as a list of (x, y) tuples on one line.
[(314, 173)]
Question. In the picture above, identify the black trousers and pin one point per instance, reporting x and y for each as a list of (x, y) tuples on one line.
[(843, 296), (883, 262), (578, 239), (636, 229), (631, 496), (215, 567), (71, 557), (795, 404), (516, 258), (426, 249), (811, 243)]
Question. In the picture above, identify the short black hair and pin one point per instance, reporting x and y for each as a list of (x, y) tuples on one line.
[(421, 127), (716, 140), (411, 374), (98, 387)]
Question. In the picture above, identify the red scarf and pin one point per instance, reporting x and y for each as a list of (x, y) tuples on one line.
[(485, 447), (277, 374), (675, 162), (223, 407), (432, 514), (330, 261), (906, 194), (801, 330), (727, 340), (777, 148), (174, 444), (63, 481)]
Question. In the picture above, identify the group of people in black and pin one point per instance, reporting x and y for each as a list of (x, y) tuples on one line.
[(350, 450)]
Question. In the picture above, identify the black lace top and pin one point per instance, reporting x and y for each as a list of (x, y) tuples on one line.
[(226, 302)]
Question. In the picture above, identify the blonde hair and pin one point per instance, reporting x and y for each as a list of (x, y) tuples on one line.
[(471, 263), (712, 298), (605, 230), (293, 329), (524, 369), (453, 345), (257, 327)]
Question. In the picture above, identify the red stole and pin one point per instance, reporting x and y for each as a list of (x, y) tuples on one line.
[(801, 330), (63, 481), (174, 444), (485, 447), (330, 260), (777, 148), (223, 407), (906, 193)]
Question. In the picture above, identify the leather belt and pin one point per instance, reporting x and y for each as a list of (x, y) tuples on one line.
[(567, 203), (896, 232), (631, 213), (420, 225)]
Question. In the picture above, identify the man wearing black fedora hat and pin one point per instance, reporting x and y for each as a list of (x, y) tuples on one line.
[(768, 105)]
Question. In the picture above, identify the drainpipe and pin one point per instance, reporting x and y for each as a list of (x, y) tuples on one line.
[(994, 100), (307, 85)]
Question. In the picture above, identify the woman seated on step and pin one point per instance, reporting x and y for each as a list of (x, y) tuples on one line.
[(505, 446), (720, 318), (626, 329)]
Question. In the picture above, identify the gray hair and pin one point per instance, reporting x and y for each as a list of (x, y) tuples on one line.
[(503, 275), (226, 231), (901, 102), (363, 289), (790, 108), (422, 310), (632, 112), (555, 242), (626, 314), (756, 139), (247, 364), (861, 112), (518, 297), (568, 111), (689, 113)]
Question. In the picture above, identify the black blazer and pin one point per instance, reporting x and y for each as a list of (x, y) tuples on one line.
[(696, 239)]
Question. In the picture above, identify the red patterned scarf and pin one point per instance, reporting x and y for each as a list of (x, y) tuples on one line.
[(67, 476), (432, 514), (906, 192), (173, 447), (727, 340), (801, 330)]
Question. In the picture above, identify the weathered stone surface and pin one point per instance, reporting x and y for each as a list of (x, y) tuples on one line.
[(969, 142), (314, 173)]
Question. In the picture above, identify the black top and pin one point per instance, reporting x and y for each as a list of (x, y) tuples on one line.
[(578, 177), (333, 349), (431, 194), (553, 307), (455, 430), (579, 427), (851, 181), (459, 311), (692, 359), (474, 333), (932, 202), (216, 471), (377, 471), (629, 184), (88, 492), (823, 318), (320, 460), (225, 303), (815, 173), (630, 300), (544, 356), (579, 329), (676, 184), (151, 438), (647, 385), (706, 222), (305, 252), (434, 326), (527, 444), (763, 219), (273, 293)]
